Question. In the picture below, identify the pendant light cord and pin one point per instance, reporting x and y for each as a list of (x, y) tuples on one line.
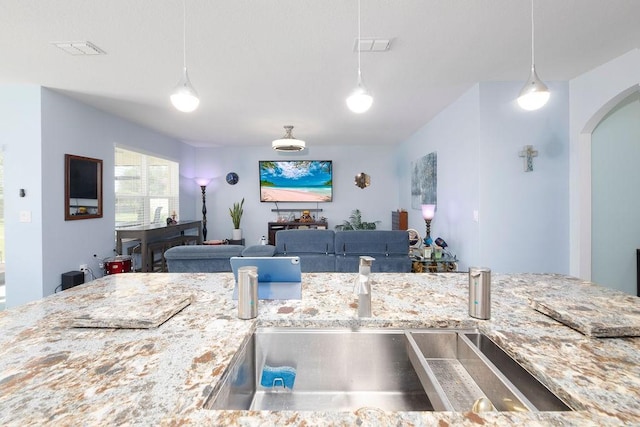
[(532, 37), (184, 33), (359, 49)]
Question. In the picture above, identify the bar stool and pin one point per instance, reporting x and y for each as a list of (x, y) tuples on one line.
[(155, 256), (157, 261), (135, 252), (189, 239)]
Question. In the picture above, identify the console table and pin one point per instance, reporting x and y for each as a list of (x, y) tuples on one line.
[(445, 264), (153, 233), (277, 226)]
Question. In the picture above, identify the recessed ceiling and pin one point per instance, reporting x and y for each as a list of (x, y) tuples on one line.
[(259, 64)]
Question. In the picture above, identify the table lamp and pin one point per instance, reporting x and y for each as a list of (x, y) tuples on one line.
[(428, 212)]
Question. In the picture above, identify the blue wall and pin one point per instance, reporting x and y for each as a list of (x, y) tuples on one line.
[(46, 126), (454, 135), (20, 130), (522, 217), (524, 225), (375, 202)]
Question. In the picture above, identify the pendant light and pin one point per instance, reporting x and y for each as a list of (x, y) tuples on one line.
[(534, 94), (360, 100), (288, 142), (184, 96)]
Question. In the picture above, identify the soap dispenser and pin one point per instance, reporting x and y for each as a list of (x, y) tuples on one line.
[(363, 286)]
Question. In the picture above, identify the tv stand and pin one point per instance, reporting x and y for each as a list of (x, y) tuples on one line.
[(274, 227)]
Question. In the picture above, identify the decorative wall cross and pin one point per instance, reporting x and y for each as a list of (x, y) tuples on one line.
[(528, 153)]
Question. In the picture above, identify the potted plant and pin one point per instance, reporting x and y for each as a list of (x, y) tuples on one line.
[(355, 222), (236, 215)]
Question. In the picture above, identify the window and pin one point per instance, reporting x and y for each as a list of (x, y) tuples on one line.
[(146, 187)]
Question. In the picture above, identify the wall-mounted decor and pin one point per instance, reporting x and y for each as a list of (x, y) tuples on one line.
[(528, 153), (363, 180), (424, 181), (232, 178), (82, 187), (296, 181)]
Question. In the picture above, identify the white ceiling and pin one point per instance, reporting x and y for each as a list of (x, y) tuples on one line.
[(261, 64)]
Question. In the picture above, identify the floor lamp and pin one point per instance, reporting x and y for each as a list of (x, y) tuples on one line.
[(203, 186)]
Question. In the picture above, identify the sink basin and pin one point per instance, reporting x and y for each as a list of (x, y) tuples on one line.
[(457, 368), (297, 369), (336, 369)]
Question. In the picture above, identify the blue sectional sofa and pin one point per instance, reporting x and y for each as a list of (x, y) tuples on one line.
[(319, 251), (340, 251)]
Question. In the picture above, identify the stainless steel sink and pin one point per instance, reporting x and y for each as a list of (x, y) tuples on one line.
[(388, 369), (457, 368), (336, 369)]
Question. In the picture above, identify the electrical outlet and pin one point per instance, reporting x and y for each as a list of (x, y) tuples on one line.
[(83, 267)]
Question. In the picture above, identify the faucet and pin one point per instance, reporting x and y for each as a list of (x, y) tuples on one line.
[(363, 286)]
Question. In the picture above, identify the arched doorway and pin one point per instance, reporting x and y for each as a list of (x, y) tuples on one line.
[(3, 295), (586, 187), (615, 205)]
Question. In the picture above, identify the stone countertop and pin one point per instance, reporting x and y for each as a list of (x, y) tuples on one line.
[(53, 373)]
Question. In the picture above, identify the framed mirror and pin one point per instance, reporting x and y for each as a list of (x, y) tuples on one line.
[(82, 187), (415, 240)]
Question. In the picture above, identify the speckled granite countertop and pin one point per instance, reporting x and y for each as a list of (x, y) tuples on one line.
[(52, 373)]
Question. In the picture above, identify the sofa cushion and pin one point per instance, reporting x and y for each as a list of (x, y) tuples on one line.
[(259, 250), (201, 258), (315, 263), (203, 251), (381, 264), (298, 242), (372, 242)]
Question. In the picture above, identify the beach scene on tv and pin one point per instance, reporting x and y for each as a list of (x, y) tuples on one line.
[(296, 181)]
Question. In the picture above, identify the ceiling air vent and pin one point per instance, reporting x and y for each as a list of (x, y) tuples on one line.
[(372, 45), (79, 48)]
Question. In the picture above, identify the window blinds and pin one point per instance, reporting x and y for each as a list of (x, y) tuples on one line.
[(146, 188)]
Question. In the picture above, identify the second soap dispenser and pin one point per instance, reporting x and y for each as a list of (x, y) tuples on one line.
[(363, 286)]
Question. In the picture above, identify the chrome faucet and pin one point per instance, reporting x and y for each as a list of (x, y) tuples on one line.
[(363, 286)]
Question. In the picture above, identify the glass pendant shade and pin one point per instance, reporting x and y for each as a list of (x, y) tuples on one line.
[(184, 97), (534, 94), (360, 100)]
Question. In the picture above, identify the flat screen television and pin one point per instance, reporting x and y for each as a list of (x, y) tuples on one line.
[(296, 181), (83, 179)]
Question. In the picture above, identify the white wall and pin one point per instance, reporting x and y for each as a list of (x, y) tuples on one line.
[(47, 126), (523, 217), (375, 202), (615, 176)]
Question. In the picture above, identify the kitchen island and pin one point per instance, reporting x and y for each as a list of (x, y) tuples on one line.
[(54, 373)]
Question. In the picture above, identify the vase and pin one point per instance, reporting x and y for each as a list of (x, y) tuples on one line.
[(237, 234)]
